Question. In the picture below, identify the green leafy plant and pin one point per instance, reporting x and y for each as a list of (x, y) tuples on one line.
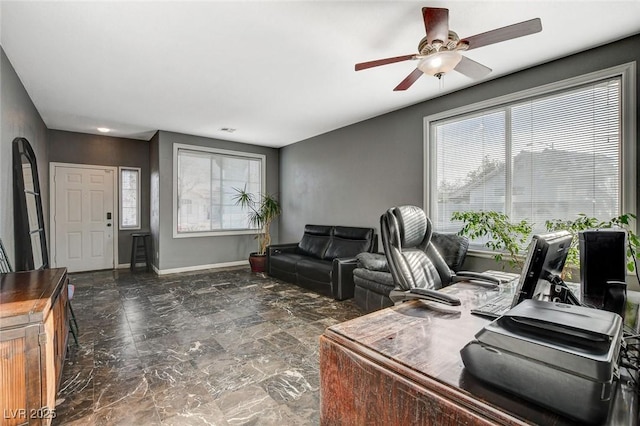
[(509, 238), (503, 235), (262, 212), (584, 222)]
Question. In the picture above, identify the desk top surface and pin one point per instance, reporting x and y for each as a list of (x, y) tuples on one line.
[(24, 293), (425, 342)]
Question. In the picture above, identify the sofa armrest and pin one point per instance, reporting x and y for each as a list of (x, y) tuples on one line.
[(276, 249), (342, 286), (373, 261)]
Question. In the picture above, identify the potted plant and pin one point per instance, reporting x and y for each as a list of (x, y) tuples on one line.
[(502, 235), (262, 212)]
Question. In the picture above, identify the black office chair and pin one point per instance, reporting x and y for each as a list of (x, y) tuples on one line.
[(417, 268)]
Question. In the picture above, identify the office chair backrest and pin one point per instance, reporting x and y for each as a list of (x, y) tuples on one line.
[(413, 261), (5, 266)]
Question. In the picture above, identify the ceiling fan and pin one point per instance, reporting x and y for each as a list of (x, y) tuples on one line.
[(439, 51)]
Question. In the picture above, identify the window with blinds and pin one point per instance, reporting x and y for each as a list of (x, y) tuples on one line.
[(545, 157), (205, 189), (129, 198)]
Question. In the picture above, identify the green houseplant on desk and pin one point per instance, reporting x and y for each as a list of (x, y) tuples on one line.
[(263, 210), (507, 237), (503, 235)]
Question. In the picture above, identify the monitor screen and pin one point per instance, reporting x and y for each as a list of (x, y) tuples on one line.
[(544, 262)]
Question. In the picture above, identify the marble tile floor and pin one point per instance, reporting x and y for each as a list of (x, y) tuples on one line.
[(218, 347)]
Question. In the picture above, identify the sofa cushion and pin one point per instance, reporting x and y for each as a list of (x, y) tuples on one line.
[(318, 230), (372, 286), (369, 301), (353, 233), (374, 280), (285, 262), (452, 247), (348, 241), (315, 240), (315, 269), (341, 247), (373, 261)]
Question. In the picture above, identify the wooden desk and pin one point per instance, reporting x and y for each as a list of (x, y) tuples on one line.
[(34, 327), (402, 366)]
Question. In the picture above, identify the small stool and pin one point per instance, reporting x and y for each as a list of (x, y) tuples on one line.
[(140, 250)]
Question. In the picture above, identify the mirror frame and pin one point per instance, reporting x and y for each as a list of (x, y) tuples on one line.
[(24, 256)]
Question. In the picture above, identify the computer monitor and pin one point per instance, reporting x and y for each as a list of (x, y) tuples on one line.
[(542, 268)]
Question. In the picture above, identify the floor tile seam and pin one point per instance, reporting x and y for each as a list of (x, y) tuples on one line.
[(156, 401), (131, 334)]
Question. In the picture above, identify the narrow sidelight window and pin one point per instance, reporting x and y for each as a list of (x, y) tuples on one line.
[(129, 198)]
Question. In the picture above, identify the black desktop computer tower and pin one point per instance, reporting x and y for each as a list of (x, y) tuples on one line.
[(603, 258)]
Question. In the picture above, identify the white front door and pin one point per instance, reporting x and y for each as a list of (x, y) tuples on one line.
[(84, 218)]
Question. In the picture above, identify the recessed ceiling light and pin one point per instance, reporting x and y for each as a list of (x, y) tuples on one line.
[(227, 129), (104, 129)]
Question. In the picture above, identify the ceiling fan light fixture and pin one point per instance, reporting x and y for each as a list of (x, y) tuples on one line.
[(439, 50), (440, 63)]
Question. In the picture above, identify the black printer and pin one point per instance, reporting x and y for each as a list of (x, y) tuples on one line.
[(561, 356)]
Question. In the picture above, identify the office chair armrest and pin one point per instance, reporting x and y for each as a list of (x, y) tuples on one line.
[(475, 276), (342, 285), (424, 294)]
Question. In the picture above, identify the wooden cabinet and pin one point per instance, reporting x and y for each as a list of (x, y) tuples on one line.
[(34, 327)]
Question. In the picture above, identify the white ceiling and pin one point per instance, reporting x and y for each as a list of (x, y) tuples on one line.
[(278, 72)]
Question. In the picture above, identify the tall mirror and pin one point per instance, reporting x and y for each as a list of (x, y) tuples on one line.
[(30, 238)]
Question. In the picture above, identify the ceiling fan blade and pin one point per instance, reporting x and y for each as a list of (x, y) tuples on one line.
[(531, 26), (472, 69), (408, 82), (377, 63), (436, 23)]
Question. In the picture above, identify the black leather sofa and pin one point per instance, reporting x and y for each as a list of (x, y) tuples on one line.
[(323, 260)]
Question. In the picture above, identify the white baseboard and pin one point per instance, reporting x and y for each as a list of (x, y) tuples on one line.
[(189, 268), (199, 267), (127, 265)]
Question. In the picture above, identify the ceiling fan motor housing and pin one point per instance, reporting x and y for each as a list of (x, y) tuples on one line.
[(453, 43)]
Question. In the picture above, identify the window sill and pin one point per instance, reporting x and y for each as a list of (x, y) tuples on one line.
[(214, 233)]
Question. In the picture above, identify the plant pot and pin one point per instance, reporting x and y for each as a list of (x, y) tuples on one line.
[(258, 262)]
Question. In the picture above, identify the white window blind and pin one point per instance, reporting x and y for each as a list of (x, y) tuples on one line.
[(206, 187), (129, 198), (548, 157)]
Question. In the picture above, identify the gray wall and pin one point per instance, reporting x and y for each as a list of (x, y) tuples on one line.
[(350, 176), (184, 252), (81, 148), (19, 118)]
